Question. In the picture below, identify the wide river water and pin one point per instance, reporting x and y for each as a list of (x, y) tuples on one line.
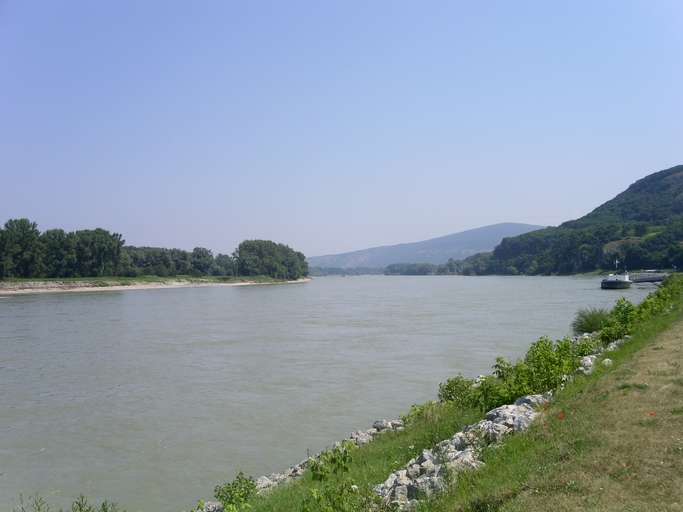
[(152, 397)]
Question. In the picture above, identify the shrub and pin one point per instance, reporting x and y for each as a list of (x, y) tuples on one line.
[(235, 495), (458, 390), (332, 462), (587, 346), (590, 320), (547, 363), (624, 312), (542, 369), (620, 321), (488, 393)]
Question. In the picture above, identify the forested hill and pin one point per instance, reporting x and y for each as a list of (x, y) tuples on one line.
[(436, 250), (642, 227), (25, 252)]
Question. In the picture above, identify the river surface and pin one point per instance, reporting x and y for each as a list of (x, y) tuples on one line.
[(152, 397)]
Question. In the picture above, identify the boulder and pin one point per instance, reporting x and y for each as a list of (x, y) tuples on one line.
[(586, 364), (399, 495), (361, 438), (488, 432), (425, 456), (461, 440), (428, 467), (516, 417), (402, 478), (534, 401), (607, 362), (395, 424), (611, 347), (428, 485), (389, 482), (381, 425), (524, 421), (414, 471), (263, 483), (461, 461), (213, 506)]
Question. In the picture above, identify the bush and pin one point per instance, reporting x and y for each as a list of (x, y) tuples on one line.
[(624, 312), (332, 462), (542, 369), (590, 320), (458, 390), (235, 495), (620, 321), (587, 346)]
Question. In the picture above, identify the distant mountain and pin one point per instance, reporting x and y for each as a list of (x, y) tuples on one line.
[(642, 228), (436, 250)]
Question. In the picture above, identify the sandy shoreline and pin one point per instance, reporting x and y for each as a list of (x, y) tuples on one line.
[(61, 287)]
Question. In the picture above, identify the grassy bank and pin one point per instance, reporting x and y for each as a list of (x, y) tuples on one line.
[(610, 441)]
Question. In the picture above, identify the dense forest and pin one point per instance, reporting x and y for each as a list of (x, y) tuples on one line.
[(642, 228), (451, 267), (27, 253)]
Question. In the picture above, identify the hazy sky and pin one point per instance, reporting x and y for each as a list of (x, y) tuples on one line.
[(330, 126)]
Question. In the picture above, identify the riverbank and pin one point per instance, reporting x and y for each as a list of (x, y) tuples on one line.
[(96, 284), (610, 441), (610, 437)]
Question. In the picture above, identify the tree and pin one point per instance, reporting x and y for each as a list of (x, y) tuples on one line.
[(267, 258), (224, 265), (59, 253), (98, 252), (202, 261), (23, 252)]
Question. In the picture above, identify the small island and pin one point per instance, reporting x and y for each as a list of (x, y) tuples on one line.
[(84, 260)]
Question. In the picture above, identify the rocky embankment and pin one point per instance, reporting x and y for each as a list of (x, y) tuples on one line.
[(428, 473)]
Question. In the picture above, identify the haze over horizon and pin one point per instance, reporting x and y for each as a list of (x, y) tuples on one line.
[(330, 127)]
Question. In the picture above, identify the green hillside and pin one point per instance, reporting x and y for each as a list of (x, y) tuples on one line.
[(641, 227)]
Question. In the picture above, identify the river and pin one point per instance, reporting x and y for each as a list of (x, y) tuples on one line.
[(152, 397)]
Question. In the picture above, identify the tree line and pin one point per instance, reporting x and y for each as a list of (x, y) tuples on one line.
[(25, 252), (568, 250)]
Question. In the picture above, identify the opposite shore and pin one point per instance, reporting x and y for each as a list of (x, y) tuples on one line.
[(75, 285)]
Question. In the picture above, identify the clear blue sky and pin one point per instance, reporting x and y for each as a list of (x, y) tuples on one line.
[(330, 126)]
